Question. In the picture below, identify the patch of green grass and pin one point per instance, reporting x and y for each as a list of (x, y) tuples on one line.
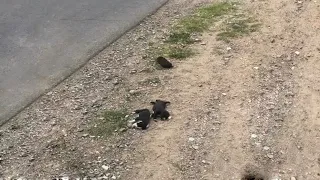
[(203, 17), (177, 52), (176, 45), (109, 123), (180, 37), (238, 28)]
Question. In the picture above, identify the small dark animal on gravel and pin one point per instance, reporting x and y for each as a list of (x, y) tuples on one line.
[(159, 110), (164, 62), (143, 119)]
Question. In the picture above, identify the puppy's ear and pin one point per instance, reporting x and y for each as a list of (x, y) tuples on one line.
[(152, 102)]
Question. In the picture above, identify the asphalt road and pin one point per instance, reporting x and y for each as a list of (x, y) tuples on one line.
[(44, 41)]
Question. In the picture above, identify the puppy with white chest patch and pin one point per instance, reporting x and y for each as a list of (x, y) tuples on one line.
[(159, 110), (143, 119)]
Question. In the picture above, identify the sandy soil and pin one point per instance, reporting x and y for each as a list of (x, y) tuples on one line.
[(245, 107)]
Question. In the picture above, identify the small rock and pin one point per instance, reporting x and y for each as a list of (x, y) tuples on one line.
[(254, 136), (32, 159), (256, 67), (297, 52), (85, 135), (270, 156), (229, 48), (191, 139), (132, 91), (204, 162), (105, 167), (133, 72), (22, 178), (122, 129), (293, 178), (273, 40), (107, 78), (203, 43), (113, 177), (85, 112), (200, 85), (224, 94), (266, 148), (116, 82), (195, 147)]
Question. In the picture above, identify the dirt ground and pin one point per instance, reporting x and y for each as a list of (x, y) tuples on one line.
[(249, 106)]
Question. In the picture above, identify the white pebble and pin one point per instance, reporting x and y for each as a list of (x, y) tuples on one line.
[(266, 148), (195, 147), (105, 167), (254, 136)]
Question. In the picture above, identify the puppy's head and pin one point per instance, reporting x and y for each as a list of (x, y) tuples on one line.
[(160, 102)]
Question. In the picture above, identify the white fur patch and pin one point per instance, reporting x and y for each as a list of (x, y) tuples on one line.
[(169, 117), (134, 125)]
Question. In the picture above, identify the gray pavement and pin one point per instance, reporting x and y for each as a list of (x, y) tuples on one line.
[(44, 41)]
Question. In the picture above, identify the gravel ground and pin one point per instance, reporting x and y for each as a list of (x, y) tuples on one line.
[(245, 107)]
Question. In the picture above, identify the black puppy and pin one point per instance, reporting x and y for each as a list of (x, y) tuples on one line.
[(142, 120), (164, 62), (159, 110)]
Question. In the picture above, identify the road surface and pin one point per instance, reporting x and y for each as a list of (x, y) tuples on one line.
[(44, 41)]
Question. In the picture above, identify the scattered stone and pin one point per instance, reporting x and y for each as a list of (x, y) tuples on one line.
[(273, 40), (203, 43), (116, 82), (85, 135), (254, 136), (107, 78), (229, 48), (23, 178), (113, 177), (266, 148), (195, 147), (270, 156), (132, 91), (105, 167), (133, 72), (122, 129), (191, 139), (297, 52), (200, 85), (224, 94), (293, 178), (256, 67)]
